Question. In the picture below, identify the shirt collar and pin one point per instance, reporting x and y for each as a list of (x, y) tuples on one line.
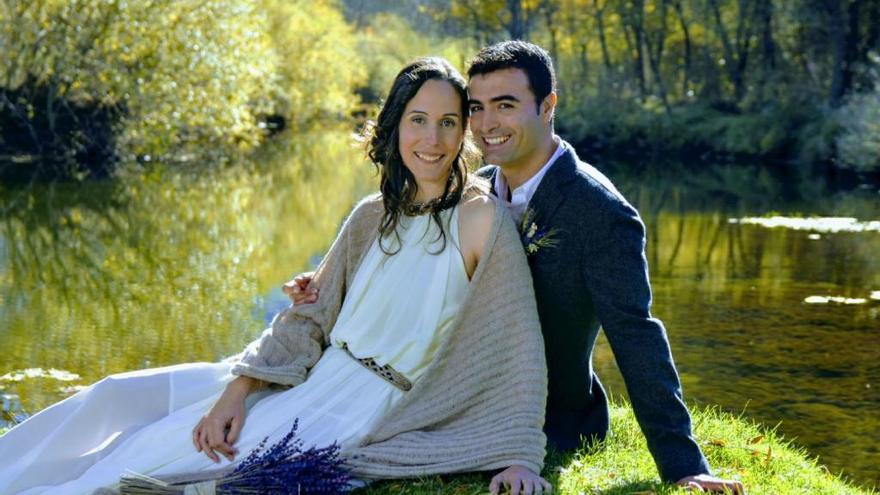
[(522, 195)]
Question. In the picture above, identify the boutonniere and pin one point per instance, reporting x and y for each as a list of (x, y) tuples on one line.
[(535, 238)]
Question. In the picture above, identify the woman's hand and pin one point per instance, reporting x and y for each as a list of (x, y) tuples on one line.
[(520, 480), (210, 434)]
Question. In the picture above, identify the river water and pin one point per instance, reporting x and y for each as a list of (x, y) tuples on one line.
[(778, 318)]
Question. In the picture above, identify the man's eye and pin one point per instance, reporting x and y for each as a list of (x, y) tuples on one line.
[(476, 108), (505, 106)]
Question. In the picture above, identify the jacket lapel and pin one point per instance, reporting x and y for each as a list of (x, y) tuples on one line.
[(551, 191)]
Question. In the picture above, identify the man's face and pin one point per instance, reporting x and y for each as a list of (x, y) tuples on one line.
[(505, 119)]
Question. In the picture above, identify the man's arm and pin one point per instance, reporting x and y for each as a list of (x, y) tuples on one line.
[(616, 274)]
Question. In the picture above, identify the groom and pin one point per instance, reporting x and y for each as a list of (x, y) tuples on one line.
[(590, 269)]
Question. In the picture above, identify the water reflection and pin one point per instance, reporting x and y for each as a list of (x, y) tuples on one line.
[(735, 297), (163, 266)]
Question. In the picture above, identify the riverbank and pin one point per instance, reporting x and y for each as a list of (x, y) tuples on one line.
[(736, 448)]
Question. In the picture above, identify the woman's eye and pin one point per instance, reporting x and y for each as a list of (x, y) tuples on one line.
[(418, 120), (448, 123)]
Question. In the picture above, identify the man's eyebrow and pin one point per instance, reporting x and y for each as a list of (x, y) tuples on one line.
[(495, 99), (504, 98)]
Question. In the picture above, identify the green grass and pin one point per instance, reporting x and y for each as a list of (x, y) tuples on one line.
[(736, 448)]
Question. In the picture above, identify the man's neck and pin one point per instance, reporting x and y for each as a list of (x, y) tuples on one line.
[(518, 174)]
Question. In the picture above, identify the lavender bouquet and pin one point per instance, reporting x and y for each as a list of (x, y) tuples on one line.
[(284, 468)]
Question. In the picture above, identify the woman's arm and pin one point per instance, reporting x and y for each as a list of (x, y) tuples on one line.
[(210, 434)]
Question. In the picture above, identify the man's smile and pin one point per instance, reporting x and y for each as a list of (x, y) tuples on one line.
[(494, 141)]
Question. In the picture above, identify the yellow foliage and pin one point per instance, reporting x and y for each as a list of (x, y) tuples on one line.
[(319, 67), (387, 43), (192, 79)]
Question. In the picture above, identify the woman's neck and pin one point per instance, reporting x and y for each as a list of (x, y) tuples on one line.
[(427, 191)]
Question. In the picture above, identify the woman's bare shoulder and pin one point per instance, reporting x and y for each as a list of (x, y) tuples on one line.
[(477, 215), (478, 208)]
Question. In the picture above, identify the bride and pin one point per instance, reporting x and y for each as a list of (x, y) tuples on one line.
[(423, 355)]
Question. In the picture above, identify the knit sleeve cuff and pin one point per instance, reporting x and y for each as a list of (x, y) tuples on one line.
[(279, 375)]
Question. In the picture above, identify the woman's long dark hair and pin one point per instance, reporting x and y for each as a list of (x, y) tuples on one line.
[(396, 183)]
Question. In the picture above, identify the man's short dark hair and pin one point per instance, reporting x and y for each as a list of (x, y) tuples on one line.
[(516, 54)]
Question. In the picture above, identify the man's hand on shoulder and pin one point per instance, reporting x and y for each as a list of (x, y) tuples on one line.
[(299, 290), (707, 483)]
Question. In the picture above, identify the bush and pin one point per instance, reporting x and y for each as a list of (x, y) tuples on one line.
[(387, 43), (175, 80), (859, 142), (320, 65), (184, 76)]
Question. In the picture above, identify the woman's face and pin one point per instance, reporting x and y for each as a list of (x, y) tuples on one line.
[(430, 133)]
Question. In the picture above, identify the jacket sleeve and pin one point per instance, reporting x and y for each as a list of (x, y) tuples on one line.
[(297, 336), (616, 273)]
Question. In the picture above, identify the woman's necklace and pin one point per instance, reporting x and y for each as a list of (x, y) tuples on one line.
[(415, 209)]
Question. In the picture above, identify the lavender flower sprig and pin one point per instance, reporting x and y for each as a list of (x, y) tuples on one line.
[(533, 237), (284, 468)]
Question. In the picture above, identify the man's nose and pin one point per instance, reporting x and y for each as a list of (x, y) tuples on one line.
[(488, 121)]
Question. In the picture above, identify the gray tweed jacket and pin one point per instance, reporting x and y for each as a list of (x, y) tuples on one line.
[(597, 274)]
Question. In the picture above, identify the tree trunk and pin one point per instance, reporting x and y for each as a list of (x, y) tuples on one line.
[(837, 27), (655, 45), (634, 31), (735, 52), (516, 28), (686, 83), (549, 11), (768, 44), (603, 42)]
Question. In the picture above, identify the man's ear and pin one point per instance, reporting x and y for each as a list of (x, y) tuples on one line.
[(548, 106)]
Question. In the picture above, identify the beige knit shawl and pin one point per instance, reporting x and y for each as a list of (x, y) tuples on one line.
[(479, 405)]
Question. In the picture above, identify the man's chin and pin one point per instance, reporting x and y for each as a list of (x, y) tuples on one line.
[(493, 159)]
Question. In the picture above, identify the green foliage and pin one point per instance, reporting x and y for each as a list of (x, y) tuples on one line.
[(859, 143), (736, 448)]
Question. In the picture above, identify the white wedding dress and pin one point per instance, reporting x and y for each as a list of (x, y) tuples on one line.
[(396, 311)]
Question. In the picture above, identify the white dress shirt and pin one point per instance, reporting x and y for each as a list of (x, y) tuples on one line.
[(519, 199)]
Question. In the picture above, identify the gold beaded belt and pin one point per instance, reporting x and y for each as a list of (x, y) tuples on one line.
[(386, 372)]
